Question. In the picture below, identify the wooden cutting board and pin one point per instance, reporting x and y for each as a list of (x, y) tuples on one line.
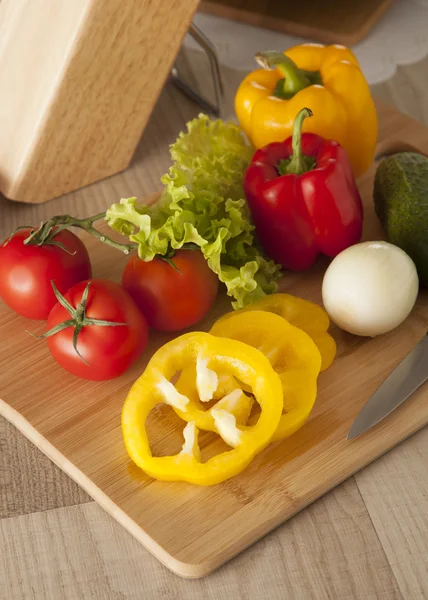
[(333, 22), (194, 530)]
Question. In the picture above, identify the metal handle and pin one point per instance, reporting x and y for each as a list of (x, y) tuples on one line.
[(214, 108)]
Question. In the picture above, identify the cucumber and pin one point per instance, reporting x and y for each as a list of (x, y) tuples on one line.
[(400, 197)]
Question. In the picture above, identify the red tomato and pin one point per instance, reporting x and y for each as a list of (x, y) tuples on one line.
[(26, 272), (108, 350), (172, 299)]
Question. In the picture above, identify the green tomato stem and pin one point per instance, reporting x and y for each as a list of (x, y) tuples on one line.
[(46, 232), (78, 320)]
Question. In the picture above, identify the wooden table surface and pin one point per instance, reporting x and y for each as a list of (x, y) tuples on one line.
[(366, 539)]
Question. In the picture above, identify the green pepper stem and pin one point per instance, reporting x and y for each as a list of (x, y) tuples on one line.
[(294, 80), (299, 163)]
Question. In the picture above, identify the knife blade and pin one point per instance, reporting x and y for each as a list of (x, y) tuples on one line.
[(405, 379)]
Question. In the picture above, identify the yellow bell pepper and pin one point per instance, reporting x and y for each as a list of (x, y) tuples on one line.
[(229, 396), (326, 79), (301, 313), (213, 356), (292, 354)]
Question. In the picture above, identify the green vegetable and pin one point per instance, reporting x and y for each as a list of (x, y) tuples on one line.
[(203, 204), (401, 203)]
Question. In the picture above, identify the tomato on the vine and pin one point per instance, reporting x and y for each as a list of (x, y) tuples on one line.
[(172, 296), (26, 271), (96, 331)]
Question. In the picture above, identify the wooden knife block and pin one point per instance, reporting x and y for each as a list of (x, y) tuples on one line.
[(78, 81)]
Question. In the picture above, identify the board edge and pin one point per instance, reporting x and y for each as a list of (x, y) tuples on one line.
[(179, 568), (190, 571)]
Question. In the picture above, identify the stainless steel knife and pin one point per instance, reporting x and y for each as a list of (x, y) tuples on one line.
[(405, 379)]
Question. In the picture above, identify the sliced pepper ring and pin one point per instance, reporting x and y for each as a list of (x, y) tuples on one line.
[(301, 313), (226, 396), (292, 353), (154, 385)]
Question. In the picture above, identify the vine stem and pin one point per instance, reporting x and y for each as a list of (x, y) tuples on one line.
[(46, 232)]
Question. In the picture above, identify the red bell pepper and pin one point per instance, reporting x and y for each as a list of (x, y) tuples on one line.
[(303, 198)]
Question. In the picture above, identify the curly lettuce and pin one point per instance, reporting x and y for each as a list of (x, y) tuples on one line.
[(203, 205)]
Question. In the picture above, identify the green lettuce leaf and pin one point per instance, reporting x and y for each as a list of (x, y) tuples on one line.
[(203, 204)]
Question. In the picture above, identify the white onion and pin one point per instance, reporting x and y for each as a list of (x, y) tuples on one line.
[(370, 288)]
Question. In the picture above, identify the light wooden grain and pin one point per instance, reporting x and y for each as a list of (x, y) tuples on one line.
[(340, 557), (79, 81), (30, 482), (194, 530), (397, 493), (334, 22)]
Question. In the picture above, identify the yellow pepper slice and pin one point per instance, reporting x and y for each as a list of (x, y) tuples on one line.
[(214, 356), (292, 353), (228, 395), (301, 313), (326, 79)]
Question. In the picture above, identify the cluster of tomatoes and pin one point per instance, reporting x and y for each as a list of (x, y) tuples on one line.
[(98, 331)]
